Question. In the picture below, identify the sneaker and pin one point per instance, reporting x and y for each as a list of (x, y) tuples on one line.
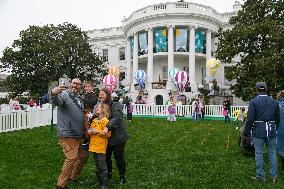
[(259, 179), (274, 179)]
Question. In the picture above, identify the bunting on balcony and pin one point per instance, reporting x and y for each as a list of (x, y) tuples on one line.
[(181, 40), (161, 40), (200, 42), (143, 46)]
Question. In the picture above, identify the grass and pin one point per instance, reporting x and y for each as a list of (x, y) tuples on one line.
[(159, 155)]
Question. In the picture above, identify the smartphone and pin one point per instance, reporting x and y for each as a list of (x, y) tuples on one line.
[(63, 82)]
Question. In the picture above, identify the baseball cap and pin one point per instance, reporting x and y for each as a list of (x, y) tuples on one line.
[(261, 85)]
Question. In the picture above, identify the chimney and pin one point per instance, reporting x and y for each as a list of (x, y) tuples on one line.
[(237, 6)]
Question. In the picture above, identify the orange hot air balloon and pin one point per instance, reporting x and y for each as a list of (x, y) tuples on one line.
[(114, 70)]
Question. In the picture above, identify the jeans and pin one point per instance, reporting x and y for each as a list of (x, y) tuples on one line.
[(259, 150), (227, 119), (195, 116)]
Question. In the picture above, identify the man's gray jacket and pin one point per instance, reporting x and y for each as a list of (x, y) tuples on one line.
[(70, 114)]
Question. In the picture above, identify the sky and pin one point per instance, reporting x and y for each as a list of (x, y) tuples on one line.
[(17, 15)]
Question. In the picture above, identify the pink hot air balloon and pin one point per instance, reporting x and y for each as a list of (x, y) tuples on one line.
[(110, 82), (181, 79)]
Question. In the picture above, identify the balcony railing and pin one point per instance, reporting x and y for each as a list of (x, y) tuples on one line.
[(159, 85)]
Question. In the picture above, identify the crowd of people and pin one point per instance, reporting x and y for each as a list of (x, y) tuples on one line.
[(94, 125), (15, 104)]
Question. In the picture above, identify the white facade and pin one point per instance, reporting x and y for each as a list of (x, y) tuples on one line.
[(170, 16)]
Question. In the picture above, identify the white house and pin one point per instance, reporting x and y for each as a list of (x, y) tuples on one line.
[(162, 36)]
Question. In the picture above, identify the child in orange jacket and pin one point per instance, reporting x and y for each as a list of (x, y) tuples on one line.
[(98, 142)]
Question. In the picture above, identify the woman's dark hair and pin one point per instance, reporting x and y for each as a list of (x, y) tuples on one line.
[(108, 95)]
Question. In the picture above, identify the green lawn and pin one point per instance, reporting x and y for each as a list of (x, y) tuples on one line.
[(159, 156)]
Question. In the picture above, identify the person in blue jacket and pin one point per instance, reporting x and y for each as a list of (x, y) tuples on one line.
[(280, 132), (263, 120)]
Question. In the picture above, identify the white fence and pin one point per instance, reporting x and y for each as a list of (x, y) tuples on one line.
[(184, 110), (23, 119)]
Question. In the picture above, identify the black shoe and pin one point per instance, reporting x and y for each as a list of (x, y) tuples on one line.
[(109, 176), (259, 179), (274, 179), (122, 180)]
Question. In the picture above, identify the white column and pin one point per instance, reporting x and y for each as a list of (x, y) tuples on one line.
[(170, 84), (135, 56), (191, 65), (150, 59), (208, 47), (128, 61)]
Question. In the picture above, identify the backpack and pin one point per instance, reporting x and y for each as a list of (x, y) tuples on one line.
[(245, 143)]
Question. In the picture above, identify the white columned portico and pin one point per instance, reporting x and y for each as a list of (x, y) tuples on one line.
[(208, 48), (150, 59), (135, 56), (170, 84), (192, 59)]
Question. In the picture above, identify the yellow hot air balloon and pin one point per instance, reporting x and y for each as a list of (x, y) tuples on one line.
[(212, 66), (114, 70)]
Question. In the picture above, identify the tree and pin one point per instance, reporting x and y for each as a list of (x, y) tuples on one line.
[(256, 43), (44, 54)]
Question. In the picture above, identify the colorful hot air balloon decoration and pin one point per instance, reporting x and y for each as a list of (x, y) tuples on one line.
[(110, 82), (181, 79), (114, 70), (140, 77), (212, 66), (173, 72)]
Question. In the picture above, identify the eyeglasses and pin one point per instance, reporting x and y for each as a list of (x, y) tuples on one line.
[(74, 83)]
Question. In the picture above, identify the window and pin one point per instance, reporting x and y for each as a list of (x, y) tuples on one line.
[(105, 55), (122, 53), (165, 72)]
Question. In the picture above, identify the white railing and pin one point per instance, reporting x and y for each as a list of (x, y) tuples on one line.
[(23, 119), (184, 110)]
